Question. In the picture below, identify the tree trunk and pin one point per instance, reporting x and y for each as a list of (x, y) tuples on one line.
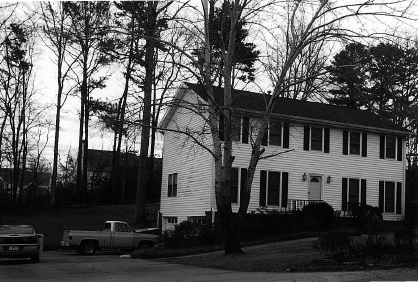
[(143, 172)]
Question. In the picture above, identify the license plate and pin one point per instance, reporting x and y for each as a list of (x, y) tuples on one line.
[(13, 248)]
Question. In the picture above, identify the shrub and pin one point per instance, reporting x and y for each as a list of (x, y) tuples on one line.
[(318, 216), (187, 234), (335, 245), (378, 249), (368, 218)]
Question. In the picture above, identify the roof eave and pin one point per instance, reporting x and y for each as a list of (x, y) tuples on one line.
[(335, 124)]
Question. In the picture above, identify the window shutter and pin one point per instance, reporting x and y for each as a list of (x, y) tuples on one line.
[(285, 188), (221, 127), (243, 178), (400, 147), (363, 192), (306, 137), (170, 185), (381, 194), (286, 135), (399, 198), (364, 145), (265, 138), (245, 129), (263, 183), (345, 142), (382, 146), (326, 140), (344, 195)]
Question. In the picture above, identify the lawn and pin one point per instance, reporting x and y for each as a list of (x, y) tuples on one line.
[(53, 222), (286, 256)]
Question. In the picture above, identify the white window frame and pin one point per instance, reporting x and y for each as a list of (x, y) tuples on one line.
[(396, 148), (395, 187), (239, 186), (322, 138), (360, 144), (171, 175), (281, 134), (280, 188)]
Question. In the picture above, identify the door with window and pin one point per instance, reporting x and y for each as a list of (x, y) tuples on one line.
[(122, 236), (315, 183)]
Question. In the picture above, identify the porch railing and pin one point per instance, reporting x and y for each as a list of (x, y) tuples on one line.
[(294, 205)]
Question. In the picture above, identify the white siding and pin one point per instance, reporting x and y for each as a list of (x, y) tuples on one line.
[(333, 164), (193, 165)]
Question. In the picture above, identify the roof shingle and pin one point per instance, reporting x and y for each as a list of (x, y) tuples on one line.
[(303, 110)]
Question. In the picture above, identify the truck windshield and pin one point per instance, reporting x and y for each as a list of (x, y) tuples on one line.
[(107, 226)]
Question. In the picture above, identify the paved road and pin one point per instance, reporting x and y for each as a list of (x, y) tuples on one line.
[(68, 266)]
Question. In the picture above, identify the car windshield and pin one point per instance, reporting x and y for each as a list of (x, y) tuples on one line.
[(16, 229)]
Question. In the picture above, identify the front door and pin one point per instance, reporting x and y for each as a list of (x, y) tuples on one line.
[(315, 188)]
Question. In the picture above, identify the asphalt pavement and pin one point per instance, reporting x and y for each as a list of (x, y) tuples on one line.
[(114, 266)]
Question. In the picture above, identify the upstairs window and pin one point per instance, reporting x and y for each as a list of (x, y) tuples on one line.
[(316, 139), (172, 185), (235, 128), (277, 134), (391, 147), (354, 143)]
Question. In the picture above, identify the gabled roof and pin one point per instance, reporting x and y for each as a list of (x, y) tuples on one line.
[(304, 111)]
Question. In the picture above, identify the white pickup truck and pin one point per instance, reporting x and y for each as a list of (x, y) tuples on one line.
[(115, 235)]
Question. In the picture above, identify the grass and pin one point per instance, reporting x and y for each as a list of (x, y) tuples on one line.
[(286, 256), (53, 222)]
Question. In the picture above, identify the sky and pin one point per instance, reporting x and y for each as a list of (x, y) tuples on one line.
[(98, 139)]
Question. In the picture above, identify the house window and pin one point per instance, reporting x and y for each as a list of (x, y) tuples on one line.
[(234, 185), (390, 196), (275, 134), (172, 185), (391, 147), (354, 143), (238, 176), (245, 130), (353, 193), (236, 128), (316, 139), (172, 220), (198, 220), (273, 188), (273, 191)]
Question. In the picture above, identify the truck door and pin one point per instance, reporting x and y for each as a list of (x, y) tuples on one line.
[(122, 236)]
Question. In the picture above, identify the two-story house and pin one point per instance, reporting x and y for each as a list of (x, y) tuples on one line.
[(345, 157)]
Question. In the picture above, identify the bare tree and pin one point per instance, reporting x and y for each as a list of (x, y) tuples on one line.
[(57, 39), (309, 28)]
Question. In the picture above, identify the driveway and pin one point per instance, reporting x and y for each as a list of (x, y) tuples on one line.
[(106, 266)]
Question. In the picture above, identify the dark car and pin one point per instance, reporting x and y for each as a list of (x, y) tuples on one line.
[(19, 241)]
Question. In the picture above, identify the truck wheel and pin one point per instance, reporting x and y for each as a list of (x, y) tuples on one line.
[(88, 248), (145, 245)]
